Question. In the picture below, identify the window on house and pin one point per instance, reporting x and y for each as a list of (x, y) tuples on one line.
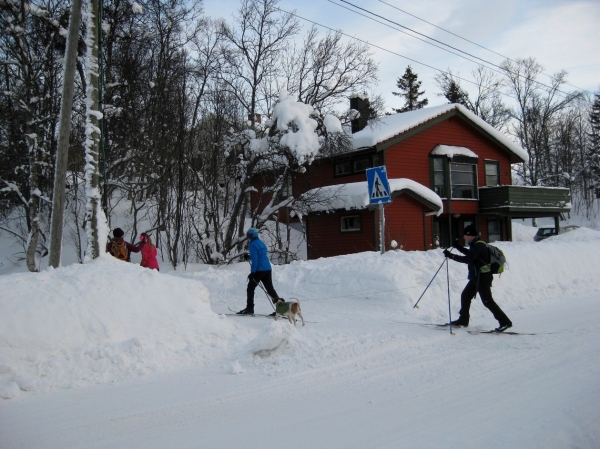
[(462, 177), (286, 189), (350, 223), (355, 165), (362, 164), (492, 173), (494, 230), (439, 178), (343, 167)]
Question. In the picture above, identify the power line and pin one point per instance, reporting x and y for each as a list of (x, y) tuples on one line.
[(467, 40), (442, 43), (368, 43), (408, 34), (388, 51)]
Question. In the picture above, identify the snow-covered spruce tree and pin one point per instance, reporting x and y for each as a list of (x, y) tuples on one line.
[(409, 90)]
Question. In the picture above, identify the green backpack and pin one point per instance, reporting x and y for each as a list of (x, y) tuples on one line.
[(497, 260)]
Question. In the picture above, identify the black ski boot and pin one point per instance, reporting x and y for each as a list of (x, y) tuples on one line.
[(503, 327), (459, 323), (246, 311)]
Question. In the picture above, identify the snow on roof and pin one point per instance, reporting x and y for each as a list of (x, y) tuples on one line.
[(355, 195), (450, 151), (392, 125)]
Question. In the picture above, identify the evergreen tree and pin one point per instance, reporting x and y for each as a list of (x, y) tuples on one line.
[(452, 90), (409, 86)]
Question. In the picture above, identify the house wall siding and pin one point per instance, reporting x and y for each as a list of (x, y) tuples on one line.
[(327, 240), (410, 157), (404, 224)]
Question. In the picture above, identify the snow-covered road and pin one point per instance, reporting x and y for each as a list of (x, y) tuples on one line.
[(365, 381)]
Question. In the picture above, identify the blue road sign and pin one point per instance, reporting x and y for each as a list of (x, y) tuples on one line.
[(379, 187)]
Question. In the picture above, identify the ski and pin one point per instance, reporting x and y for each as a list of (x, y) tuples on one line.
[(234, 313), (445, 325), (281, 317), (496, 332), (253, 314)]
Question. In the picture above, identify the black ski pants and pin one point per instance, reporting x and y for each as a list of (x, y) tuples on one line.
[(267, 282), (484, 288)]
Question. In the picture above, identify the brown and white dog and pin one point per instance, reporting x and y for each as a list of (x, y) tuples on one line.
[(289, 309)]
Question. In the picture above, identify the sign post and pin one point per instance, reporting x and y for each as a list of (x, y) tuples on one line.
[(379, 193)]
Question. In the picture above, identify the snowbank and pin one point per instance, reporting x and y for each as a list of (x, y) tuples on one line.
[(100, 322), (108, 320)]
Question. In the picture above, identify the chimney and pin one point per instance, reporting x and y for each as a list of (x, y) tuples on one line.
[(361, 105), (257, 118)]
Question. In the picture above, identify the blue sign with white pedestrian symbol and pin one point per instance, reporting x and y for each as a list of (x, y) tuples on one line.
[(379, 188)]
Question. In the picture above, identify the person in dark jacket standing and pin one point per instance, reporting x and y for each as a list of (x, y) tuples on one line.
[(121, 249), (477, 257), (260, 271)]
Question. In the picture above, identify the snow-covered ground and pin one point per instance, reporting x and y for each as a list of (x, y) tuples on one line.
[(111, 355)]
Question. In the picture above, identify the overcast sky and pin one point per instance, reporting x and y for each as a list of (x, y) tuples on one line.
[(559, 34)]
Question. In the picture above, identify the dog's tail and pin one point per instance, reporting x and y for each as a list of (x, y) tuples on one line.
[(295, 306)]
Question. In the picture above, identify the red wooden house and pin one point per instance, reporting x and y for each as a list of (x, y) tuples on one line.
[(446, 149), (447, 168)]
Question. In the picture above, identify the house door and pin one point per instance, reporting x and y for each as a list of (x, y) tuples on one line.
[(451, 229)]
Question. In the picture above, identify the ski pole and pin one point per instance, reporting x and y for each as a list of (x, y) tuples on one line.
[(263, 289), (438, 270), (267, 294)]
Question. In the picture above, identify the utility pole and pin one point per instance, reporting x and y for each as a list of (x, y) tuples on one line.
[(62, 156)]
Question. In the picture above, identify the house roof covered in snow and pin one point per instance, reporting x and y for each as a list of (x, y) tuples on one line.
[(391, 129), (355, 196)]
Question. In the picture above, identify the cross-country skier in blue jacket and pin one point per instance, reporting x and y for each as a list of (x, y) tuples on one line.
[(260, 271)]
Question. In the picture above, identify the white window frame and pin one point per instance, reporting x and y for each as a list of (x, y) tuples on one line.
[(350, 223)]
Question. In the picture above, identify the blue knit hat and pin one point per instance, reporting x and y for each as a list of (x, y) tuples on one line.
[(252, 233)]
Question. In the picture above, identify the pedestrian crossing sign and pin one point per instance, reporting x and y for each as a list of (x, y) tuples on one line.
[(379, 188)]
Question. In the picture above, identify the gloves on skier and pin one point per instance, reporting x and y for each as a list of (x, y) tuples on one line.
[(448, 254)]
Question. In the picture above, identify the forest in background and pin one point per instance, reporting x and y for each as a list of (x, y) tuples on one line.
[(184, 99)]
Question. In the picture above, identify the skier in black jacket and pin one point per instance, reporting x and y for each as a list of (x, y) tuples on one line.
[(476, 257)]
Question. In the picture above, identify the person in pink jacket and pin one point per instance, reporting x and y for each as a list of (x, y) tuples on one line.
[(148, 253)]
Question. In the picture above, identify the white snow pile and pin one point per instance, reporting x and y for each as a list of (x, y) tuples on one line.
[(108, 320), (304, 142), (100, 322)]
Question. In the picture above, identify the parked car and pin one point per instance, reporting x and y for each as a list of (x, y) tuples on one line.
[(548, 231)]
